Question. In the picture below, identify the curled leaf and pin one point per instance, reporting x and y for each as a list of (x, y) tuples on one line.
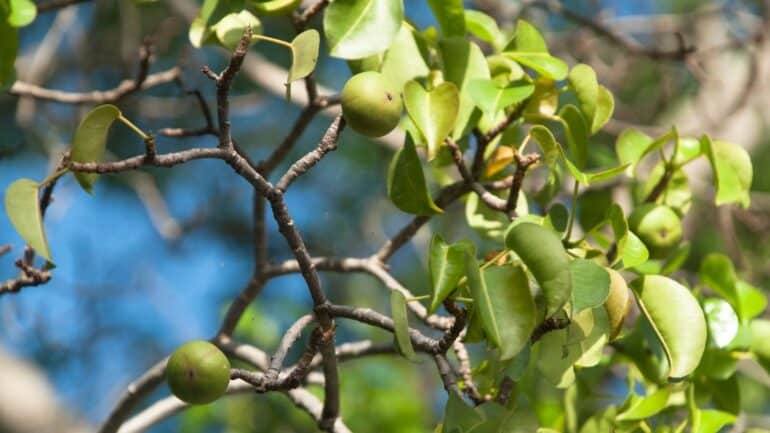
[(22, 205)]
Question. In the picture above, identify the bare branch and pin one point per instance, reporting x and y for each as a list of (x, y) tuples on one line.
[(327, 144)]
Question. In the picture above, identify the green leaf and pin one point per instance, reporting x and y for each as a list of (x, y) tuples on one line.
[(605, 106), (712, 421), (752, 300), (760, 341), (450, 16), (401, 325), (492, 99), (630, 249), (590, 284), (231, 27), (542, 63), (458, 416), (582, 79), (577, 133), (528, 39), (483, 303), (304, 56), (722, 321), (90, 141), (403, 61), (732, 170), (201, 30), (677, 319), (447, 267), (434, 113), (463, 63), (717, 272), (645, 407), (22, 205), (22, 12), (275, 7), (512, 306), (359, 28), (542, 252), (406, 183), (631, 146), (485, 28), (488, 222), (8, 49)]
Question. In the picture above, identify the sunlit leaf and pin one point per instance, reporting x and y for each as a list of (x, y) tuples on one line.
[(645, 407), (544, 64), (605, 106), (712, 421), (8, 49), (582, 79), (450, 16), (677, 319), (403, 61), (22, 12), (359, 28), (231, 27), (304, 56), (463, 63), (492, 99), (401, 325), (90, 141), (722, 321), (717, 271), (275, 7), (732, 170), (22, 205), (760, 341), (406, 183), (485, 28), (527, 39), (434, 113), (630, 249)]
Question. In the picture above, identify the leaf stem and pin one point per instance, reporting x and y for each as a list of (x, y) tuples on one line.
[(463, 299), (134, 128), (53, 177), (273, 40), (418, 298)]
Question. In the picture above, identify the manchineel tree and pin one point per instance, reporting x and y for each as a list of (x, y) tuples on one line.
[(553, 294)]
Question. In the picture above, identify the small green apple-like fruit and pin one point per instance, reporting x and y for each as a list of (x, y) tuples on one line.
[(658, 226), (370, 105), (275, 7), (198, 372)]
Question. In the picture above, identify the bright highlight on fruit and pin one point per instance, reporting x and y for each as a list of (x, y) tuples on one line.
[(198, 372), (370, 105)]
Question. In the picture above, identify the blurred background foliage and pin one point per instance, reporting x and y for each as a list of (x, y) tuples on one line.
[(152, 259)]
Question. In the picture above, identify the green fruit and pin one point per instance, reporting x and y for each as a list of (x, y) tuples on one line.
[(371, 105), (658, 226), (275, 7), (198, 372), (543, 253)]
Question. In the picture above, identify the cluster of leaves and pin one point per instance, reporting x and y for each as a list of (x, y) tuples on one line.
[(545, 304)]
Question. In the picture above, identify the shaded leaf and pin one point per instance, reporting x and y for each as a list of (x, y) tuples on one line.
[(433, 113), (630, 249), (512, 306), (677, 319), (359, 28), (401, 325), (304, 56), (22, 205), (590, 284), (450, 16), (483, 302), (8, 49), (618, 303), (406, 183), (90, 141), (463, 62), (447, 266), (717, 271), (458, 416)]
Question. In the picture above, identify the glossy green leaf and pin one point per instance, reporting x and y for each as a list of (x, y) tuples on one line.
[(605, 106), (463, 63), (22, 205), (722, 321), (687, 150), (582, 80), (512, 306), (211, 12), (644, 407), (434, 113), (712, 421), (677, 319), (492, 99), (458, 416), (732, 170), (590, 284), (401, 325), (403, 61), (576, 130), (752, 300), (406, 183), (485, 28), (8, 49), (544, 64), (447, 266), (450, 16), (304, 55), (22, 12), (542, 252), (717, 272), (631, 146), (231, 27), (90, 141), (482, 300), (528, 39), (359, 28)]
